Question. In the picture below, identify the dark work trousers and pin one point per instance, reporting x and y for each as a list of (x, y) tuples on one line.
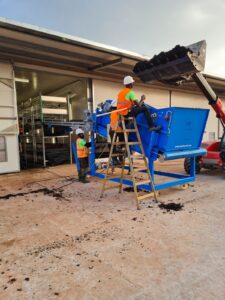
[(142, 109), (83, 168)]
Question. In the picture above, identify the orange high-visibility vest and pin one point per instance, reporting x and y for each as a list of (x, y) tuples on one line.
[(114, 121), (122, 102), (82, 152)]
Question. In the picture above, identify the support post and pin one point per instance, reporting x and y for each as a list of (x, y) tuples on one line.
[(151, 168), (74, 147), (92, 154), (92, 164)]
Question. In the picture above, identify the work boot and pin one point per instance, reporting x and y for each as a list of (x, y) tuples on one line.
[(84, 180), (79, 176), (157, 128)]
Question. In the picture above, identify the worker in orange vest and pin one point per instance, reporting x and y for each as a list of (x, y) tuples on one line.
[(82, 154), (114, 127), (114, 118), (127, 100)]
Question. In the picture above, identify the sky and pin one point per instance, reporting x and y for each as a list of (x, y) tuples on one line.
[(143, 26)]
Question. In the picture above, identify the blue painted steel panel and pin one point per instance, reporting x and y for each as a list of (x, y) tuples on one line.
[(74, 148), (101, 125), (180, 137), (158, 187), (182, 130), (185, 128)]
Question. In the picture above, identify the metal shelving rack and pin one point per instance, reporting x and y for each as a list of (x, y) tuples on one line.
[(41, 141)]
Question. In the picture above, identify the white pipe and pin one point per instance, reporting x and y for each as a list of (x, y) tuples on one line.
[(109, 113)]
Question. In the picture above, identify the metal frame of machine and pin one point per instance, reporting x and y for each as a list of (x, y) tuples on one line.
[(153, 154), (179, 179)]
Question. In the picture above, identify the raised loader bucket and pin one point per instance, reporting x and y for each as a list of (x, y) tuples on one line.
[(173, 66)]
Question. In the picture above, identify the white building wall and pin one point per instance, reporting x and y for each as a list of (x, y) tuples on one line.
[(9, 153), (103, 90), (109, 90)]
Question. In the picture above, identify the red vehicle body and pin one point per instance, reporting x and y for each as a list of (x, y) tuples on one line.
[(212, 159), (215, 158)]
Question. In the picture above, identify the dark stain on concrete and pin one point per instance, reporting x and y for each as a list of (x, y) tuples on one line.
[(57, 195), (171, 206)]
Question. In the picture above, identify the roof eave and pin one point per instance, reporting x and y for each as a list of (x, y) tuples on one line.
[(54, 35)]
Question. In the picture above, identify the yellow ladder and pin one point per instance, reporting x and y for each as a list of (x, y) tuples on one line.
[(131, 158)]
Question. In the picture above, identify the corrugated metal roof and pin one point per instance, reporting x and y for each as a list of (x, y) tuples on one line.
[(32, 45), (23, 27)]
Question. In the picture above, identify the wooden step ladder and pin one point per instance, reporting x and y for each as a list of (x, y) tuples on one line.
[(127, 153)]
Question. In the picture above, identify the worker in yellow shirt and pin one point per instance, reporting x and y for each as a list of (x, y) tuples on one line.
[(128, 99), (82, 154)]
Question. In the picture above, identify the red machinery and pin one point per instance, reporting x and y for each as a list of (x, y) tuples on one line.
[(213, 159), (176, 66)]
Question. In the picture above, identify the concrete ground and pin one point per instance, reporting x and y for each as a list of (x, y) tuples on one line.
[(58, 240)]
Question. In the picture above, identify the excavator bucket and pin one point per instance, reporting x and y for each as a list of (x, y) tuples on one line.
[(173, 66)]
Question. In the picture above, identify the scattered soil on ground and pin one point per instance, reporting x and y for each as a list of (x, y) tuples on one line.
[(130, 189), (58, 195), (171, 206)]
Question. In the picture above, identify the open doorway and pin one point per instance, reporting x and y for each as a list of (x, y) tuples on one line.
[(46, 101)]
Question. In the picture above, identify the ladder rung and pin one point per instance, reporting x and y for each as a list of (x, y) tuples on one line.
[(140, 169), (145, 196), (118, 143), (133, 143), (137, 156), (127, 130), (143, 182), (118, 166), (118, 154), (112, 187)]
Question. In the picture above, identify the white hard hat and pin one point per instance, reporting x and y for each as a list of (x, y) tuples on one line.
[(128, 80), (114, 103), (79, 131)]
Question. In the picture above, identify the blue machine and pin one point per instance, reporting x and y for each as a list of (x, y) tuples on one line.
[(180, 137)]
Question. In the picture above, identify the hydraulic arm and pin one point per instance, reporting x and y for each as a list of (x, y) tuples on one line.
[(214, 101)]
